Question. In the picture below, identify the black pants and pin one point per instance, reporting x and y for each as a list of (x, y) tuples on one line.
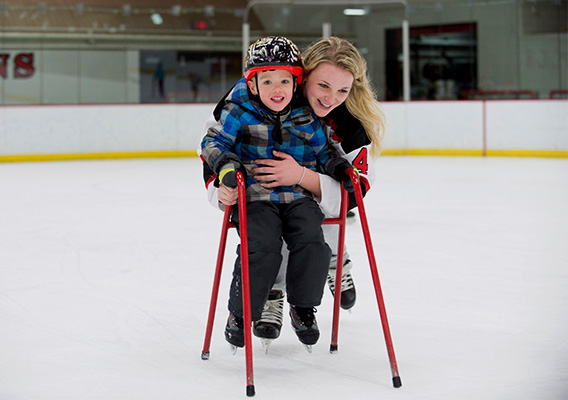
[(299, 224)]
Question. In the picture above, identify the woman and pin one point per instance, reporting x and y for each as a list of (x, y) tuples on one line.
[(337, 88)]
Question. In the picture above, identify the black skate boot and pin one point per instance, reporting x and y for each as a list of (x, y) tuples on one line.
[(234, 332), (305, 325), (268, 327), (348, 294)]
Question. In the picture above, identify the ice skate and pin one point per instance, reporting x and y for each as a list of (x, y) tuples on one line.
[(348, 294), (234, 332), (268, 327), (305, 324)]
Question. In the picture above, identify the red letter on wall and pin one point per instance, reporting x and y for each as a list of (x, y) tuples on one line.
[(4, 65), (24, 65)]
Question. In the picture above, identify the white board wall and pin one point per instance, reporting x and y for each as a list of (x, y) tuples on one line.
[(452, 127)]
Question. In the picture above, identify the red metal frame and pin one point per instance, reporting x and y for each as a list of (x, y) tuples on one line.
[(245, 282), (337, 297), (375, 274)]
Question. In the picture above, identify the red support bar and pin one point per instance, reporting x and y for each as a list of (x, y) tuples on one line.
[(250, 391), (382, 311), (245, 283), (339, 269), (216, 282)]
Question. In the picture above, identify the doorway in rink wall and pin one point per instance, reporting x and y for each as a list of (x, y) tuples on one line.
[(443, 61)]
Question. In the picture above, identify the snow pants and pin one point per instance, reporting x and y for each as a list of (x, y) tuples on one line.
[(331, 234), (299, 224)]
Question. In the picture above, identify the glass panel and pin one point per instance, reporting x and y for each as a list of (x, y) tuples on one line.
[(100, 52)]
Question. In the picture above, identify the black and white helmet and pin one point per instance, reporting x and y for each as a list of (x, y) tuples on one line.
[(274, 52)]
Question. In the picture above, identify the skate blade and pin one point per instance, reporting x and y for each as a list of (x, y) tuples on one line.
[(308, 348), (233, 348), (266, 344)]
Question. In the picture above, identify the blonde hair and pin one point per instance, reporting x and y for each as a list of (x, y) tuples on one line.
[(361, 101)]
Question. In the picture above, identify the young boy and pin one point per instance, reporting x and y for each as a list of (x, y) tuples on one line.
[(262, 114)]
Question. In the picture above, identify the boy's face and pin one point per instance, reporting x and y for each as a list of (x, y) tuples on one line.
[(275, 88)]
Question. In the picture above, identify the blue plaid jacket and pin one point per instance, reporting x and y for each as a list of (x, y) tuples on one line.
[(246, 129)]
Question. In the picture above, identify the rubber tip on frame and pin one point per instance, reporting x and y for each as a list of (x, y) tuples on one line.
[(205, 355), (250, 390), (396, 382), (333, 348)]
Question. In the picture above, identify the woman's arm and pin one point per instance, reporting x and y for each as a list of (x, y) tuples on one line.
[(284, 170)]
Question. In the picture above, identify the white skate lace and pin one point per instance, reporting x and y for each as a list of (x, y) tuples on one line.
[(346, 280), (273, 312)]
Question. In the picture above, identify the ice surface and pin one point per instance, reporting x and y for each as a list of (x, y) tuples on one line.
[(106, 270)]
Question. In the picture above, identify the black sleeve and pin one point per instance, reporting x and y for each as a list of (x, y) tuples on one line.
[(209, 175), (352, 200), (221, 104), (347, 129)]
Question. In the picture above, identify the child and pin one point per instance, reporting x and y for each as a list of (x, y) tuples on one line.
[(260, 115)]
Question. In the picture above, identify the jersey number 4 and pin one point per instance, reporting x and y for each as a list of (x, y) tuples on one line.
[(360, 162)]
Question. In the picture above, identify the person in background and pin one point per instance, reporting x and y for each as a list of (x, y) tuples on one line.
[(158, 79)]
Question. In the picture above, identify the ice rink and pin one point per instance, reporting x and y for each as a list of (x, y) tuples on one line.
[(106, 270)]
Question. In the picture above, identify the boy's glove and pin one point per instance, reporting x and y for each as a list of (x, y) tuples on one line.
[(336, 169), (227, 168)]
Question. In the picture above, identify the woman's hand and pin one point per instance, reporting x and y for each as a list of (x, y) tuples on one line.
[(226, 195), (283, 170)]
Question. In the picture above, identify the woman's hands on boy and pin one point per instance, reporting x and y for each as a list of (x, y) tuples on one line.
[(283, 170)]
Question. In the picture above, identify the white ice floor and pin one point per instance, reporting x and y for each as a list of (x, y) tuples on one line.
[(106, 270)]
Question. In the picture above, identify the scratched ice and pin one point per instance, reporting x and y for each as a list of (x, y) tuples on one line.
[(106, 270)]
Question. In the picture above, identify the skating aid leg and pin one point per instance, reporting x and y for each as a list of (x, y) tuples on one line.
[(250, 391), (216, 282), (382, 311), (339, 268), (245, 283)]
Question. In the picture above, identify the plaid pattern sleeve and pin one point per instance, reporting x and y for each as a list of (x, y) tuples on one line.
[(218, 142), (323, 150)]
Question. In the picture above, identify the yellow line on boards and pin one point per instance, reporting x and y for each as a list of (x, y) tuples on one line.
[(464, 152), (528, 153), (96, 156), (192, 153), (431, 152)]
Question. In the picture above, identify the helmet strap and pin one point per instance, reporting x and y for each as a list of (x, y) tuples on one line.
[(256, 84)]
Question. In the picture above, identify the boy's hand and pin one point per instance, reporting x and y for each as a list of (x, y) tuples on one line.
[(226, 195), (336, 169)]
